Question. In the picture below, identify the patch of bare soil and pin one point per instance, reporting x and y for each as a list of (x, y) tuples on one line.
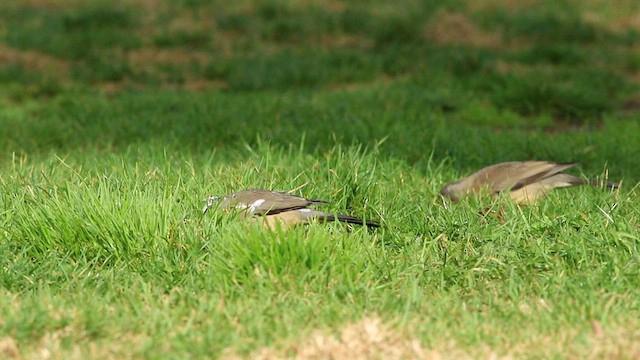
[(456, 28)]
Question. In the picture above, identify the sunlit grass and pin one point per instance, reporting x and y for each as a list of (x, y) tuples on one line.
[(123, 119), (112, 237)]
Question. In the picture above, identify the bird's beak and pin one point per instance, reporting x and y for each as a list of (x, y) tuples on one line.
[(210, 201), (446, 193)]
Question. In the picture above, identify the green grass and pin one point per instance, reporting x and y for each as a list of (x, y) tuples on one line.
[(104, 166)]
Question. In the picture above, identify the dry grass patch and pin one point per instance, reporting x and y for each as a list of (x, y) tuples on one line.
[(619, 343), (45, 4), (150, 57), (68, 343), (371, 338), (630, 21), (458, 29), (601, 342), (186, 22), (152, 60), (619, 15), (9, 348), (509, 5), (383, 80), (331, 5), (152, 6), (33, 60), (632, 105), (513, 67), (346, 41), (193, 84), (368, 338)]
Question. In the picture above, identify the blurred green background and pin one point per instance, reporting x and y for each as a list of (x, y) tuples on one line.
[(518, 79)]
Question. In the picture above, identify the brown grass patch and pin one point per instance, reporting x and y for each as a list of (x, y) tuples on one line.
[(48, 4), (149, 5), (149, 57), (9, 348), (203, 84), (111, 88), (613, 343), (508, 5), (345, 41), (613, 21), (619, 24), (369, 338), (512, 67), (617, 16), (458, 29), (50, 346), (632, 105), (600, 342), (70, 4), (37, 61)]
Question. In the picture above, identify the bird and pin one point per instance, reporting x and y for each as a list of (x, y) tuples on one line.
[(278, 209), (526, 181)]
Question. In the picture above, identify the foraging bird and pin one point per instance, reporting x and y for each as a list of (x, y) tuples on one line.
[(279, 209), (526, 181)]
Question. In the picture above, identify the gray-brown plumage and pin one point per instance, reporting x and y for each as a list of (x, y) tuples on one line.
[(274, 209), (526, 181)]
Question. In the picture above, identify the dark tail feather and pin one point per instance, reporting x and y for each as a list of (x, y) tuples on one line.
[(575, 180), (351, 220), (607, 183)]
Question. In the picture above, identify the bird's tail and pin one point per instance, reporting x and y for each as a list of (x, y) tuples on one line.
[(564, 180), (351, 220), (604, 183)]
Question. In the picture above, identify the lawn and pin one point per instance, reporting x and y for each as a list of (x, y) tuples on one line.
[(119, 118)]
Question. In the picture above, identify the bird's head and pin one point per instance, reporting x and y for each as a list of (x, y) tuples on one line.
[(210, 201), (450, 191)]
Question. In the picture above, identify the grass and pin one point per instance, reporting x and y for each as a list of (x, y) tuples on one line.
[(118, 125)]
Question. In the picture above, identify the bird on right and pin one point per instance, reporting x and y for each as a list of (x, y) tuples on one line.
[(526, 181)]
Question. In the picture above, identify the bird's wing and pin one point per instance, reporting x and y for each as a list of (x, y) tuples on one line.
[(535, 171), (530, 193), (514, 174), (561, 180), (265, 202)]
